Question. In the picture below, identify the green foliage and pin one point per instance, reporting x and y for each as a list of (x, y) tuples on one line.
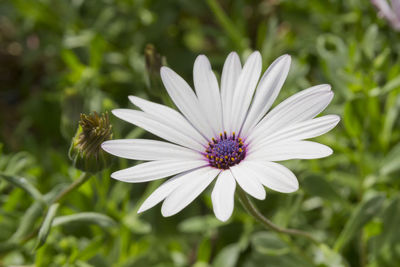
[(63, 58)]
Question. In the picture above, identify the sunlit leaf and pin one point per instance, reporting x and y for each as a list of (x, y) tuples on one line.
[(85, 217)]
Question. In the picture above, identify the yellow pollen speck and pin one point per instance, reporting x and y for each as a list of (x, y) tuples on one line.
[(226, 157), (240, 150), (233, 159)]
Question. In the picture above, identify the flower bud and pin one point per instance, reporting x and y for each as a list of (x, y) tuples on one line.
[(85, 150)]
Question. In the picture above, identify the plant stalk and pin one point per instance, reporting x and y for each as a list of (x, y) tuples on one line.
[(252, 209), (76, 184)]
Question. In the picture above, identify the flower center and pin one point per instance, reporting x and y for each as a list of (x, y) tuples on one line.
[(225, 151)]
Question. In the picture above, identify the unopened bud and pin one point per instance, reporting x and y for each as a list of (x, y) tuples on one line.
[(85, 150)]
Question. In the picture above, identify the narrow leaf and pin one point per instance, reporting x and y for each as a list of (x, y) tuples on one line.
[(28, 221), (23, 184), (199, 224), (46, 226), (86, 217), (391, 221), (391, 162)]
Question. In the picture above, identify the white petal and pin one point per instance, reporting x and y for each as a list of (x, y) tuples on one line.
[(289, 150), (230, 75), (185, 99), (169, 116), (223, 195), (144, 149), (188, 190), (155, 170), (304, 130), (154, 125), (267, 91), (301, 108), (273, 175), (244, 90), (206, 86), (163, 191), (247, 181)]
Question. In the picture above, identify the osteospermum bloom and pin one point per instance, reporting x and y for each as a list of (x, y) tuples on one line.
[(224, 134)]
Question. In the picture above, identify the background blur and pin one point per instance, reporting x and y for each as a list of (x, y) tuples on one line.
[(61, 58)]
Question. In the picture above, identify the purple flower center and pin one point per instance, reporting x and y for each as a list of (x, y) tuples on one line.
[(225, 151)]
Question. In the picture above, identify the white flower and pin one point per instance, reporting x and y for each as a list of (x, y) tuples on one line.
[(225, 134), (390, 12)]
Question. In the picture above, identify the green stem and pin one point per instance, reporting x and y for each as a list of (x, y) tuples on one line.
[(76, 184), (252, 209)]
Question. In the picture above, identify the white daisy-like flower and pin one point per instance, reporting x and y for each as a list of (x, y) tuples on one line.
[(226, 134)]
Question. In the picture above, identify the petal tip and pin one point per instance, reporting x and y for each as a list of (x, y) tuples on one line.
[(105, 145), (223, 218), (116, 112), (132, 98), (166, 213), (286, 57), (141, 209), (164, 72)]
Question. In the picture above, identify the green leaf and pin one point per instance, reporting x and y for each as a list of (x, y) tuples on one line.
[(228, 256), (351, 120), (199, 224), (46, 226), (28, 221), (86, 217), (391, 222), (204, 250), (325, 256), (391, 162), (369, 44), (363, 213), (33, 213), (136, 225), (269, 243), (23, 184)]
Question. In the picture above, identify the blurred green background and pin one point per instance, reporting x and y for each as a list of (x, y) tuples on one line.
[(61, 58)]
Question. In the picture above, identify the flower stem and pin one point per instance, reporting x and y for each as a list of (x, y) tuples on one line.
[(76, 184), (252, 209)]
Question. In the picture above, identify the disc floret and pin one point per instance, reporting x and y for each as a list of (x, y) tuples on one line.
[(225, 151)]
